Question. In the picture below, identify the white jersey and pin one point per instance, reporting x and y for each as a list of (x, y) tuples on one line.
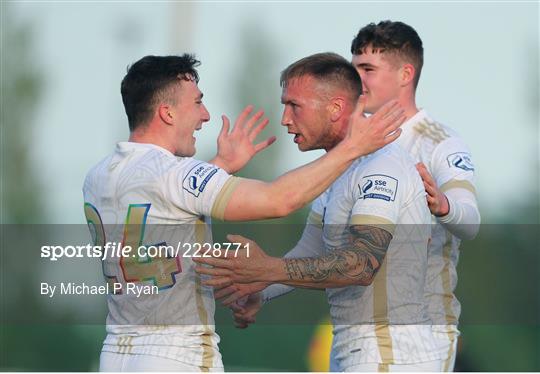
[(385, 322), (449, 161), (143, 195)]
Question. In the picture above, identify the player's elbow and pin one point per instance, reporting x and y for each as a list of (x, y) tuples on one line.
[(470, 231), (367, 278), (290, 207), (285, 204), (365, 282), (475, 227)]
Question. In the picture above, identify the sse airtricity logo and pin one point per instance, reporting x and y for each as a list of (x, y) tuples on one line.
[(198, 177), (378, 186), (367, 186), (193, 182), (460, 160)]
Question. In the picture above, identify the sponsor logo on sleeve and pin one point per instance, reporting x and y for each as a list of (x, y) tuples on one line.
[(378, 186), (460, 160), (198, 177)]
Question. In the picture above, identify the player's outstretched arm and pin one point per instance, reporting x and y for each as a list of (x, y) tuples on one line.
[(357, 264), (237, 147), (252, 199)]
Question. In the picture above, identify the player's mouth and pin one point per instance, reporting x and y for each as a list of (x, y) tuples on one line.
[(298, 138), (196, 129)]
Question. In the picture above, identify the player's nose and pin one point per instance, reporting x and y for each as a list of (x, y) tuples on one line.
[(205, 115), (286, 119)]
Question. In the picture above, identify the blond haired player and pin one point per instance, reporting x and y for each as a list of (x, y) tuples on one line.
[(366, 238)]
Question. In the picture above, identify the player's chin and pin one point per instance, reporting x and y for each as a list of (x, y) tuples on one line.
[(190, 152), (304, 147), (374, 105)]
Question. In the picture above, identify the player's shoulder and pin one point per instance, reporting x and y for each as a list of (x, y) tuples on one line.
[(97, 169), (157, 161), (432, 130), (391, 163), (390, 157), (438, 138)]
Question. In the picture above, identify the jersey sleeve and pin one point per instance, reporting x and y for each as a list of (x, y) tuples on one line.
[(453, 170), (316, 214), (196, 187), (378, 191), (311, 243), (452, 165)]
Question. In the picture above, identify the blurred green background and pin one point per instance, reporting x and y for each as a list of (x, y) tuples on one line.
[(61, 113)]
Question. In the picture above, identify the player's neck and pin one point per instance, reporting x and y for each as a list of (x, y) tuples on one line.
[(408, 103), (149, 137), (410, 112)]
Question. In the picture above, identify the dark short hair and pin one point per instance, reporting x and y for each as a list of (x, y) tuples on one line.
[(326, 67), (393, 37), (150, 80)]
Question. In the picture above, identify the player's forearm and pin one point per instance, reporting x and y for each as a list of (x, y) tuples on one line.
[(298, 187), (463, 218), (355, 264), (310, 244), (341, 268)]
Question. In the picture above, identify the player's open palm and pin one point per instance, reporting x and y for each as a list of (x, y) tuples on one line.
[(237, 147), (436, 199), (368, 134)]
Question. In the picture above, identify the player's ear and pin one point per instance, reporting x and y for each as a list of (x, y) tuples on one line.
[(165, 113), (407, 74), (337, 106)]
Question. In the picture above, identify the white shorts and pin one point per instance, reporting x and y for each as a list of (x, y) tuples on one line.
[(432, 366), (131, 362), (446, 338)]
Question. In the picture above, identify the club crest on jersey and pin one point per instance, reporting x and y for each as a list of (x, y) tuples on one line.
[(460, 160), (198, 177), (378, 186)]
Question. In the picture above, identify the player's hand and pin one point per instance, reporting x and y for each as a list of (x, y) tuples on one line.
[(242, 266), (244, 311), (436, 199), (232, 293), (237, 148), (368, 134)]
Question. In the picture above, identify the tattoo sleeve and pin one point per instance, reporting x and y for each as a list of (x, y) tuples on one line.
[(356, 264)]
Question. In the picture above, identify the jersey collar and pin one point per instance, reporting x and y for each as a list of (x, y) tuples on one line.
[(407, 127), (128, 147)]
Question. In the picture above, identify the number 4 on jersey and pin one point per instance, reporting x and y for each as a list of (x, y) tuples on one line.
[(160, 271)]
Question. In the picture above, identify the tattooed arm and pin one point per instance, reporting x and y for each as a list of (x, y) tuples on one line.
[(356, 264)]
